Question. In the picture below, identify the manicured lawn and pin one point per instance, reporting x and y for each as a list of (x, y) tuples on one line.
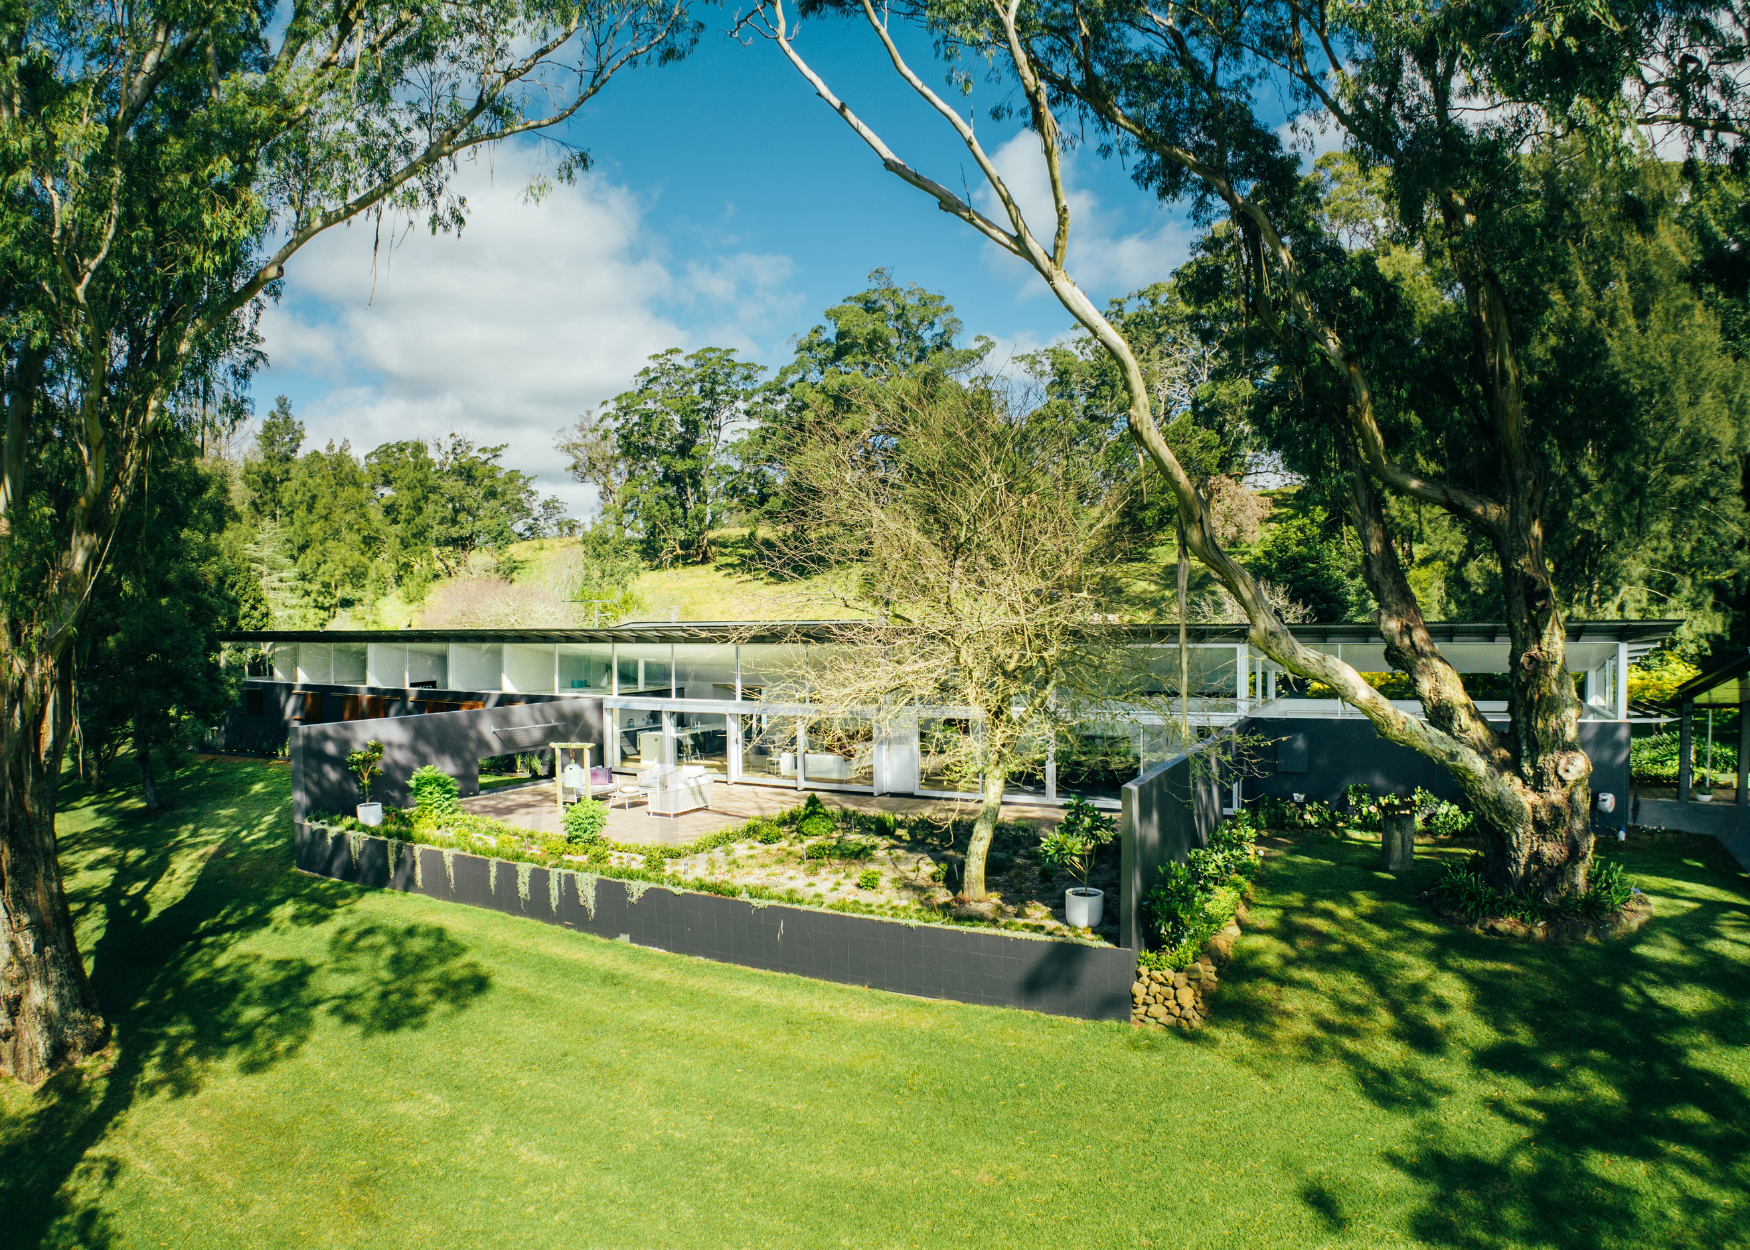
[(298, 1063)]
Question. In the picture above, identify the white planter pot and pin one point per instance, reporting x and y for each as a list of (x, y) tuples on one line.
[(1083, 908), (370, 814), (1704, 796)]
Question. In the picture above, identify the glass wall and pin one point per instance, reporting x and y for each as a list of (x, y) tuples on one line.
[(703, 738), (349, 664), (428, 666), (284, 656), (768, 749), (476, 666), (587, 666), (947, 755), (1094, 763), (773, 673), (645, 668), (637, 739), (703, 671), (386, 665), (528, 668), (841, 752), (315, 661)]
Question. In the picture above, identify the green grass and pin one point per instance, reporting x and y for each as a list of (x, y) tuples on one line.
[(298, 1063)]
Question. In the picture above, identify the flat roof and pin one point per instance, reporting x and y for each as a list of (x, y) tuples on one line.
[(1365, 634)]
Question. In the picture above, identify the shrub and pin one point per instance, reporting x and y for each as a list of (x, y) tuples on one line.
[(765, 832), (1190, 902), (1318, 815), (1461, 891), (1655, 758), (1077, 838), (869, 879), (814, 820), (433, 791), (366, 764), (585, 821), (1440, 818), (1609, 890), (886, 824)]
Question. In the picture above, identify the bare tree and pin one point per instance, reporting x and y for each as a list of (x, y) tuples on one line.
[(981, 545)]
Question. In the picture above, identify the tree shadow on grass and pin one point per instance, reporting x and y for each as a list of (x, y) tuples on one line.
[(184, 993), (1559, 1095)]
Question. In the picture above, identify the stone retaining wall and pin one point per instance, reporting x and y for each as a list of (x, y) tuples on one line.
[(1181, 1000)]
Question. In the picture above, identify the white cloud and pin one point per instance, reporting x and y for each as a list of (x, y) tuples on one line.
[(535, 313), (1103, 255)]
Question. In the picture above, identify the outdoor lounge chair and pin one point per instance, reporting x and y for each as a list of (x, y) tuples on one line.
[(674, 791)]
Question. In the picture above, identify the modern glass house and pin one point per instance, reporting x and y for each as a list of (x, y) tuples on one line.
[(724, 695)]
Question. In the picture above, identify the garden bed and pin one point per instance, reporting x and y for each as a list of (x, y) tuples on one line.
[(879, 864)]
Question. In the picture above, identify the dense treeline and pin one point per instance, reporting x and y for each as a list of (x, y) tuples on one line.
[(333, 531)]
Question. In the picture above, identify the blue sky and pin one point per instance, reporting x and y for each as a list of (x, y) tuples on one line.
[(728, 206)]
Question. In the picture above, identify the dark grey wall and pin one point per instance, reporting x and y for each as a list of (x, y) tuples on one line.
[(1319, 756), (1167, 812), (452, 742), (1061, 978), (283, 705)]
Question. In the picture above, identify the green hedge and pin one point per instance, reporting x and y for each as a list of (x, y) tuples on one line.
[(1655, 759)]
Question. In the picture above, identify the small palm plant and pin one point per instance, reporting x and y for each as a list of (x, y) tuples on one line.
[(1071, 846), (366, 764)]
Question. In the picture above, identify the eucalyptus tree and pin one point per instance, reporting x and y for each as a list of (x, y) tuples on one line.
[(166, 163), (1453, 102)]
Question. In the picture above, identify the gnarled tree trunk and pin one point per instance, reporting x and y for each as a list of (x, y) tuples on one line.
[(48, 1013)]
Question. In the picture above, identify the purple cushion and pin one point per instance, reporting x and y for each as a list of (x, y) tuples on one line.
[(601, 776)]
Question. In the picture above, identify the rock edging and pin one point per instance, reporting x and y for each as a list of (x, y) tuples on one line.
[(1181, 1000)]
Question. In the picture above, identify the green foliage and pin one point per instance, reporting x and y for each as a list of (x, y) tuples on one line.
[(433, 791), (585, 822), (366, 764), (1077, 838), (869, 879), (1190, 902), (1314, 560), (765, 832), (1656, 758), (664, 451), (147, 657), (1461, 890), (1441, 818), (814, 820)]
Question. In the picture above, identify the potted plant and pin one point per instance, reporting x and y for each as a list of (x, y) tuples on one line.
[(366, 764), (1071, 846)]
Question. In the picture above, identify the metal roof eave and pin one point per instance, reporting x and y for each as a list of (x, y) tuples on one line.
[(756, 632)]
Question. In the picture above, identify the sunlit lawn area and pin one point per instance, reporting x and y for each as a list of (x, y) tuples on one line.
[(298, 1063)]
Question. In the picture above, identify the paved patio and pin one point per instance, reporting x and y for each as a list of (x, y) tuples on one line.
[(534, 806)]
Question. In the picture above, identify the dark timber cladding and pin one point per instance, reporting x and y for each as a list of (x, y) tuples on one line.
[(924, 960)]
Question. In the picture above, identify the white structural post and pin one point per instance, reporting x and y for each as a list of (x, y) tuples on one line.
[(1622, 681), (1243, 678)]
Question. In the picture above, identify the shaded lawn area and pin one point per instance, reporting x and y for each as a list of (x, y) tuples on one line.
[(299, 1063)]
